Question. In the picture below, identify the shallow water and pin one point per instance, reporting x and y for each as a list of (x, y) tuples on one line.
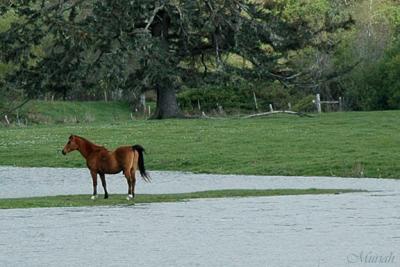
[(23, 182), (313, 230)]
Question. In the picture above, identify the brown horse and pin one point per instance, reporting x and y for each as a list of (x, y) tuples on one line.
[(101, 161)]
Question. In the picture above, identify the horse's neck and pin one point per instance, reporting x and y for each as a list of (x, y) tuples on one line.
[(86, 148)]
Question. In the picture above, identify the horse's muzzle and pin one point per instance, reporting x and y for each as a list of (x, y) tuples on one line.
[(63, 152)]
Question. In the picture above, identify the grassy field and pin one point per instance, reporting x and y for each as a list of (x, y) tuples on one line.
[(356, 144), (84, 200), (56, 112)]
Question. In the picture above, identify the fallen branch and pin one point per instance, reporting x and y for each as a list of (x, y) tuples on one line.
[(15, 108), (277, 112)]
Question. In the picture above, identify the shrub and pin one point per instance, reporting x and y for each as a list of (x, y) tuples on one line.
[(305, 104), (233, 97)]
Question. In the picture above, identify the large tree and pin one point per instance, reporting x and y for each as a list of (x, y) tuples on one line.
[(140, 44)]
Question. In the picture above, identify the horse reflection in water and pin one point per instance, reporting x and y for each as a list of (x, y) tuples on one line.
[(100, 161)]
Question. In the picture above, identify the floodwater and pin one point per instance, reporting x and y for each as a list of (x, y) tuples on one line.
[(24, 182), (358, 229)]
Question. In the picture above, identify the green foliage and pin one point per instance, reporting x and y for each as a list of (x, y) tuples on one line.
[(274, 93), (236, 96), (73, 46), (354, 71), (312, 11), (5, 23), (210, 97), (77, 49), (384, 90), (4, 69), (389, 11), (6, 20), (305, 104)]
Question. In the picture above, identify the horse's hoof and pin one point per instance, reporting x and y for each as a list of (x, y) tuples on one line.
[(129, 197), (105, 197), (94, 197)]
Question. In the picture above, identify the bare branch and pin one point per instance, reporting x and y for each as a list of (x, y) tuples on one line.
[(15, 108), (155, 11)]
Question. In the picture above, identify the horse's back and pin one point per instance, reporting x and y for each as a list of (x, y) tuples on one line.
[(125, 156), (111, 162)]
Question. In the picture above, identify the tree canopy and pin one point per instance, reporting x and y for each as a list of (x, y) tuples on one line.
[(75, 45)]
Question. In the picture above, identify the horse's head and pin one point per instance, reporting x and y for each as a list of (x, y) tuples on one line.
[(71, 145)]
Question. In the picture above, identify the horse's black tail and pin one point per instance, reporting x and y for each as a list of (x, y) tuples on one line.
[(142, 169)]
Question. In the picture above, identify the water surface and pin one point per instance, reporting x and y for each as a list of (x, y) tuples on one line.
[(23, 182), (311, 230)]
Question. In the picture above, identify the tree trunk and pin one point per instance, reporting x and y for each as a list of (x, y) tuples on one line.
[(167, 106)]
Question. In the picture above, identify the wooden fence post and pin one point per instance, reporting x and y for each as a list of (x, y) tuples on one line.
[(142, 100), (318, 102), (6, 117), (105, 96), (255, 100)]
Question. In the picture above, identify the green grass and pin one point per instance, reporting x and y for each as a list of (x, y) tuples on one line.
[(84, 200), (51, 112), (356, 144)]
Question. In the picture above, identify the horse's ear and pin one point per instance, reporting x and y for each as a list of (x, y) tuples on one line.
[(71, 136)]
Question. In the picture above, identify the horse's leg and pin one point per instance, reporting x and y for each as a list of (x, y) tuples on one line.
[(94, 179), (103, 182), (128, 179), (133, 182)]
